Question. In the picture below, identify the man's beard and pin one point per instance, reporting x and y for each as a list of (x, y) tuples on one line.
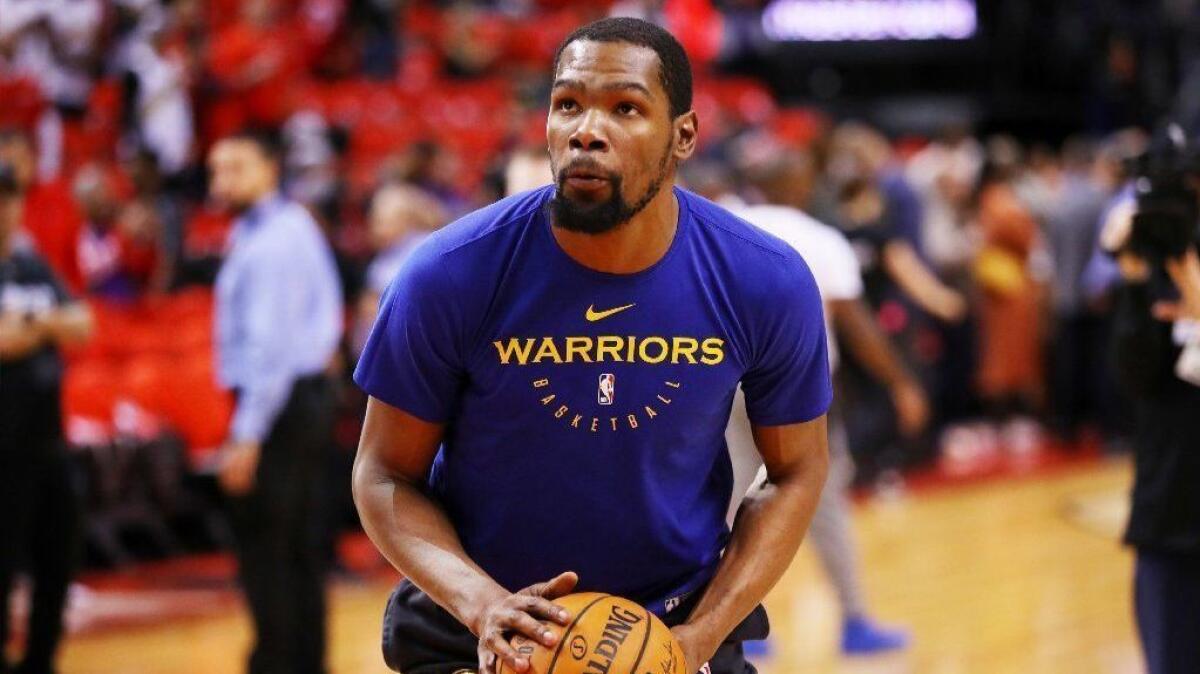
[(604, 216)]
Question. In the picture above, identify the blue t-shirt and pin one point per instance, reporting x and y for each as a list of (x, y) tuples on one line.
[(585, 411)]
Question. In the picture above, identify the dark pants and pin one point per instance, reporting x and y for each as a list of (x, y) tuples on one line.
[(279, 536), (419, 637), (1167, 599), (40, 530)]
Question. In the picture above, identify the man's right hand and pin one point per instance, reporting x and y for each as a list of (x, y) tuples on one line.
[(521, 613)]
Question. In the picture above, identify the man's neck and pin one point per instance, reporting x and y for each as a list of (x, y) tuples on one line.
[(631, 247), (258, 203)]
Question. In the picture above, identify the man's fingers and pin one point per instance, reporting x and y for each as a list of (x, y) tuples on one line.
[(499, 646), (545, 609), (559, 586), (522, 623), (487, 661), (1167, 311)]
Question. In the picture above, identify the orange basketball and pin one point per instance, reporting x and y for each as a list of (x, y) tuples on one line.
[(607, 635)]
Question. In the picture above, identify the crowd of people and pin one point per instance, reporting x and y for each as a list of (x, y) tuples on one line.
[(974, 250), (979, 255)]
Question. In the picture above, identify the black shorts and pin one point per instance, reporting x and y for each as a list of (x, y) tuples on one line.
[(420, 637)]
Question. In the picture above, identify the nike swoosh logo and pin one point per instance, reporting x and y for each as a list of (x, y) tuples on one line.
[(593, 315)]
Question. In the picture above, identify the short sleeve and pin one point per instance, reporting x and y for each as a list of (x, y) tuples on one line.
[(845, 276), (46, 274), (788, 381), (412, 358)]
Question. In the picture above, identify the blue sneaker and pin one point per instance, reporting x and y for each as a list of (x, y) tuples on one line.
[(860, 636), (757, 649)]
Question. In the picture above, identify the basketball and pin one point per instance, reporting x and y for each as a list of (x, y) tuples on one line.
[(607, 635)]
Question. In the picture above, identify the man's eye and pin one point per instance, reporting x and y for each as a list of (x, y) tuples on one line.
[(626, 108), (567, 105)]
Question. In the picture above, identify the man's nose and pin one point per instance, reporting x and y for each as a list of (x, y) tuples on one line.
[(588, 135)]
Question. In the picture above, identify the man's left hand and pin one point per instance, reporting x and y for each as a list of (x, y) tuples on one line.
[(697, 649), (1185, 273), (238, 466)]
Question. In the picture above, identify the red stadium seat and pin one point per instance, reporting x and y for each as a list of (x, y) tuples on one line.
[(90, 389), (198, 409)]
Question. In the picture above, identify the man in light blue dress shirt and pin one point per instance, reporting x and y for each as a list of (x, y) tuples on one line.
[(278, 323)]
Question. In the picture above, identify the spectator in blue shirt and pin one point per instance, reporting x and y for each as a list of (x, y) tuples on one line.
[(278, 324)]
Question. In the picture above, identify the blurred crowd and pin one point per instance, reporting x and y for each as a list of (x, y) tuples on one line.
[(978, 253)]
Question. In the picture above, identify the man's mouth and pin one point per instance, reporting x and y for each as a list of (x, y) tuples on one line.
[(586, 179)]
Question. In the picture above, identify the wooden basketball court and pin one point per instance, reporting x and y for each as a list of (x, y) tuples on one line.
[(1013, 576)]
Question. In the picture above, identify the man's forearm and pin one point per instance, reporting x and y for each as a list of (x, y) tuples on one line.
[(867, 342), (415, 535), (766, 535)]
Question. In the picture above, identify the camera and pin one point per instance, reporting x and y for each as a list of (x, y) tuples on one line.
[(1166, 176)]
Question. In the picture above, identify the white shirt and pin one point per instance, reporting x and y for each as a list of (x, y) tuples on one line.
[(76, 25)]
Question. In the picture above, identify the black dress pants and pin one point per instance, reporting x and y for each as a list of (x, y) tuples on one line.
[(280, 544), (40, 527)]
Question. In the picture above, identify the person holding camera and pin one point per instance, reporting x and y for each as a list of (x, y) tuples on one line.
[(1156, 340)]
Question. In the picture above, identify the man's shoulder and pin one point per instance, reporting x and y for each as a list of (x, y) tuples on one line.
[(467, 247), (29, 265), (792, 225), (503, 217), (734, 233)]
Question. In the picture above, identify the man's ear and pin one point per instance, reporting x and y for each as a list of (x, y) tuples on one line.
[(687, 131)]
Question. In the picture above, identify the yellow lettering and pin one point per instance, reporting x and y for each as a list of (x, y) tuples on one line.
[(547, 399), (595, 421), (513, 347), (575, 421), (650, 412), (632, 420), (713, 351), (662, 354), (672, 384), (683, 347), (581, 346), (610, 345), (541, 383), (548, 350), (558, 413), (614, 422), (665, 401), (629, 354)]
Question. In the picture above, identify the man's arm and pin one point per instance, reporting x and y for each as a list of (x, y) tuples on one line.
[(766, 534), (1142, 350), (415, 535), (871, 347), (68, 324), (922, 285)]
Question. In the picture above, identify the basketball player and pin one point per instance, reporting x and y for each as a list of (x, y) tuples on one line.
[(783, 182), (550, 381)]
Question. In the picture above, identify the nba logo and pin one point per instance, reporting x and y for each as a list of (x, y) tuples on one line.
[(607, 392)]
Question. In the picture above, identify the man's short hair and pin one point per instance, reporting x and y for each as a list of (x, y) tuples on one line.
[(674, 68), (267, 141)]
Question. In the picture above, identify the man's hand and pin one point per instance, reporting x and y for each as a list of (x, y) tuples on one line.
[(238, 466), (912, 407), (697, 649), (521, 613), (1185, 273), (1133, 268), (18, 336)]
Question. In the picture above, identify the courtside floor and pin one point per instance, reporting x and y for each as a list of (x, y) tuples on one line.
[(1022, 575)]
